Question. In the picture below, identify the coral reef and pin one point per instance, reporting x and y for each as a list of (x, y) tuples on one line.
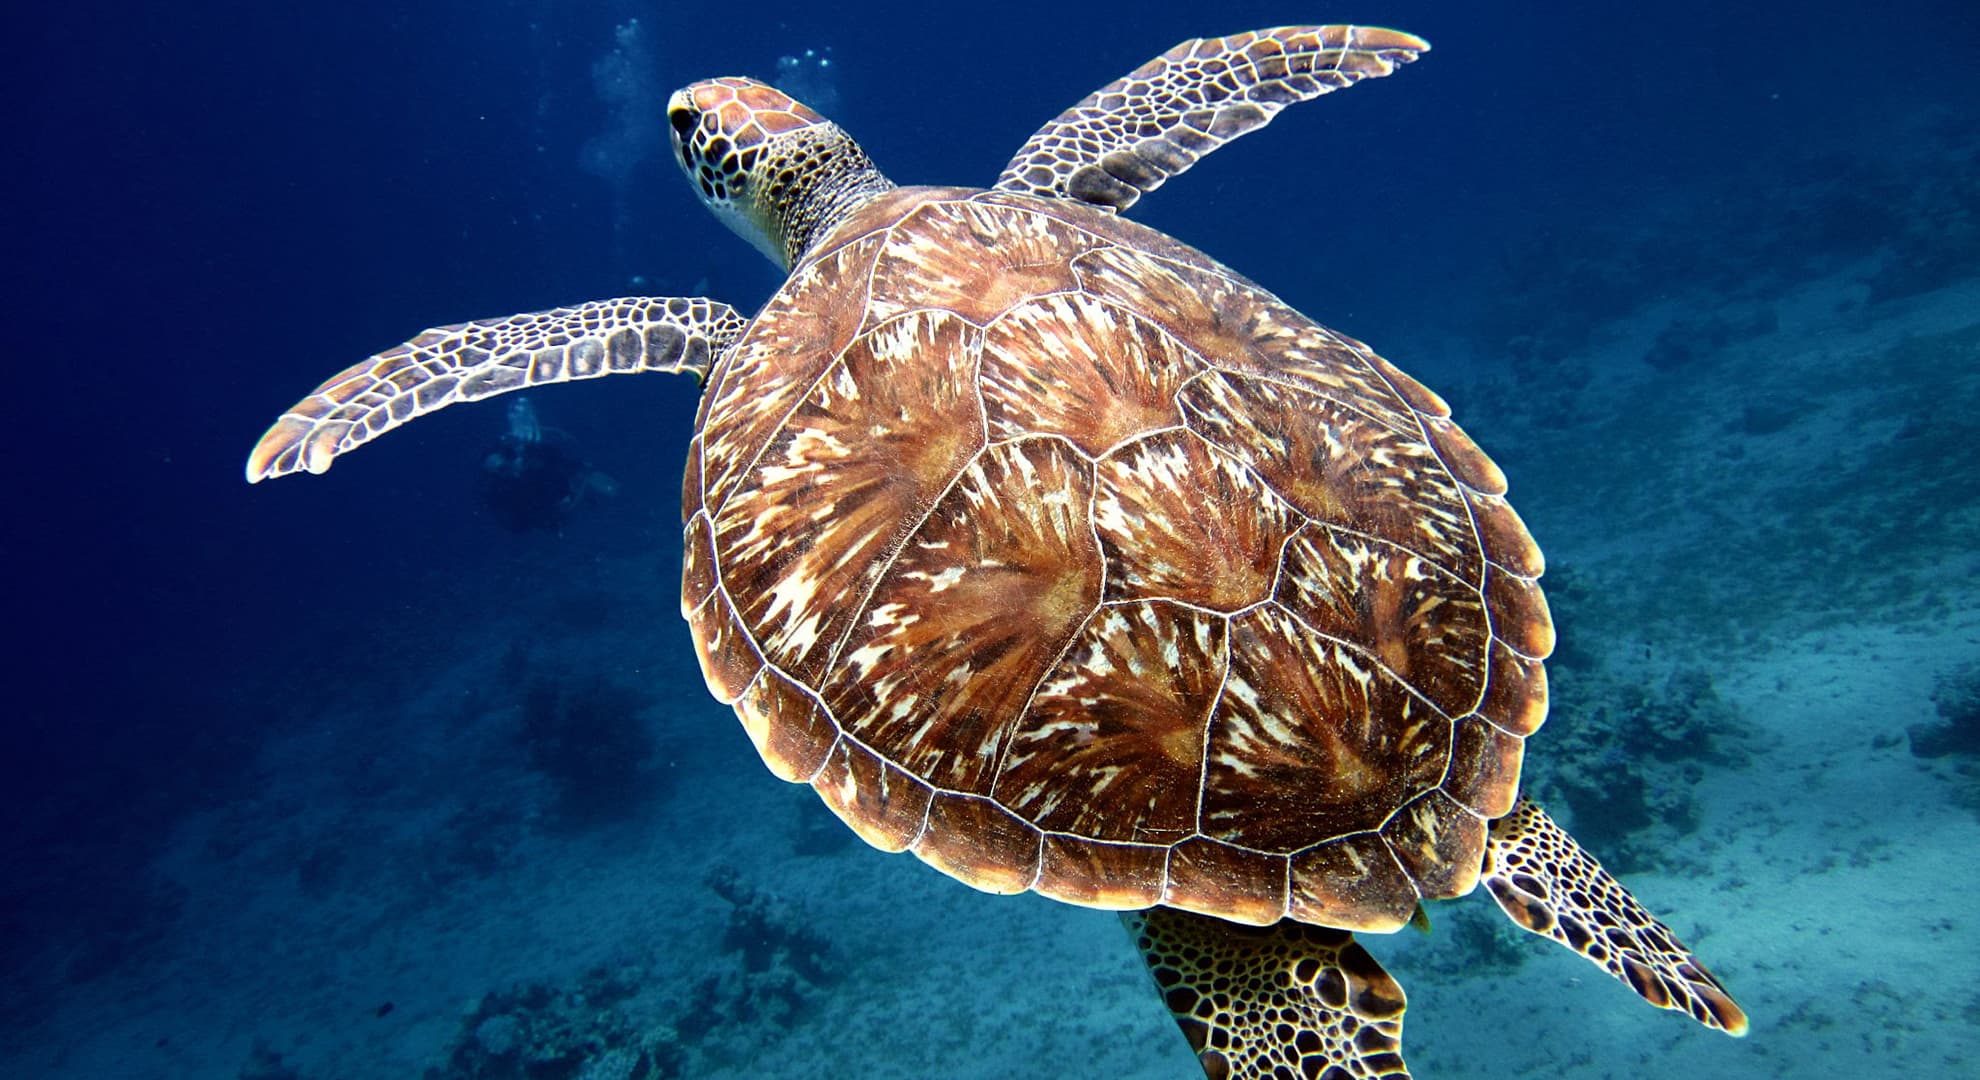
[(783, 963), (604, 1027), (1951, 745), (1624, 758), (587, 1032), (766, 931), (1957, 698)]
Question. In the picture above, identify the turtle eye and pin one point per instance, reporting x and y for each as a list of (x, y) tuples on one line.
[(682, 120)]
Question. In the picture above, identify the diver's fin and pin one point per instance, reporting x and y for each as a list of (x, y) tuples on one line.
[(1259, 1002), (494, 356), (1547, 884), (1129, 136)]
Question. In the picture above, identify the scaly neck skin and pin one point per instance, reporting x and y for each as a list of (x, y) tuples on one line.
[(832, 201), (815, 180)]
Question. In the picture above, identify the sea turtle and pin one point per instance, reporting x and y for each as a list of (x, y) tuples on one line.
[(1048, 548)]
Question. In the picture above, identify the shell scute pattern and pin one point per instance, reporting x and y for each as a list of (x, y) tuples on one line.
[(1119, 877), (1239, 884), (1405, 613), (887, 807), (973, 612), (863, 455), (1484, 772), (763, 378), (977, 260), (729, 658), (975, 840), (1243, 328), (1339, 467), (1354, 883), (1069, 560), (1184, 521), (1440, 843), (1311, 740), (1113, 375), (1112, 746), (793, 733)]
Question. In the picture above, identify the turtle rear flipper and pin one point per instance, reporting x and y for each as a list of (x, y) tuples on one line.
[(1265, 1001), (1547, 884)]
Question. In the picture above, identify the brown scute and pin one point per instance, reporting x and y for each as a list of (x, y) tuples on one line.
[(745, 111), (1424, 626), (776, 124), (1519, 613), (729, 659), (1110, 228), (697, 564), (799, 333), (1337, 465), (1420, 397), (979, 844), (868, 450), (883, 804), (1440, 843), (972, 614), (1484, 773), (1092, 873), (1515, 692), (1094, 373), (691, 479), (1242, 886), (974, 259), (1112, 745), (871, 220), (1183, 521), (769, 105), (1311, 741), (1236, 325), (1505, 537), (1353, 883), (1463, 458), (791, 731)]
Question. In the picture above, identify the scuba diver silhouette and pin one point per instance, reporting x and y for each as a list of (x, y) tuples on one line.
[(534, 477)]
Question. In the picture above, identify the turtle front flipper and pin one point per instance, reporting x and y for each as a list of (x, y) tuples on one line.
[(1129, 136), (1289, 999), (477, 360), (1549, 885)]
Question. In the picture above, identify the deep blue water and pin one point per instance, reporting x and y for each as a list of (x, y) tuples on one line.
[(216, 205)]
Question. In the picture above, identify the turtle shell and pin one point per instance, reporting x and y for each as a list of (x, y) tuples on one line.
[(1044, 546)]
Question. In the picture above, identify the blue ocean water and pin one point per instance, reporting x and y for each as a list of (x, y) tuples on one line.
[(340, 776)]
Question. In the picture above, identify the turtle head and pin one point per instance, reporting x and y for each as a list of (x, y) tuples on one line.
[(773, 170)]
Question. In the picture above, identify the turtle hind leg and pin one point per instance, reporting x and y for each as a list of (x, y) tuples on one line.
[(1547, 884), (1273, 1001)]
